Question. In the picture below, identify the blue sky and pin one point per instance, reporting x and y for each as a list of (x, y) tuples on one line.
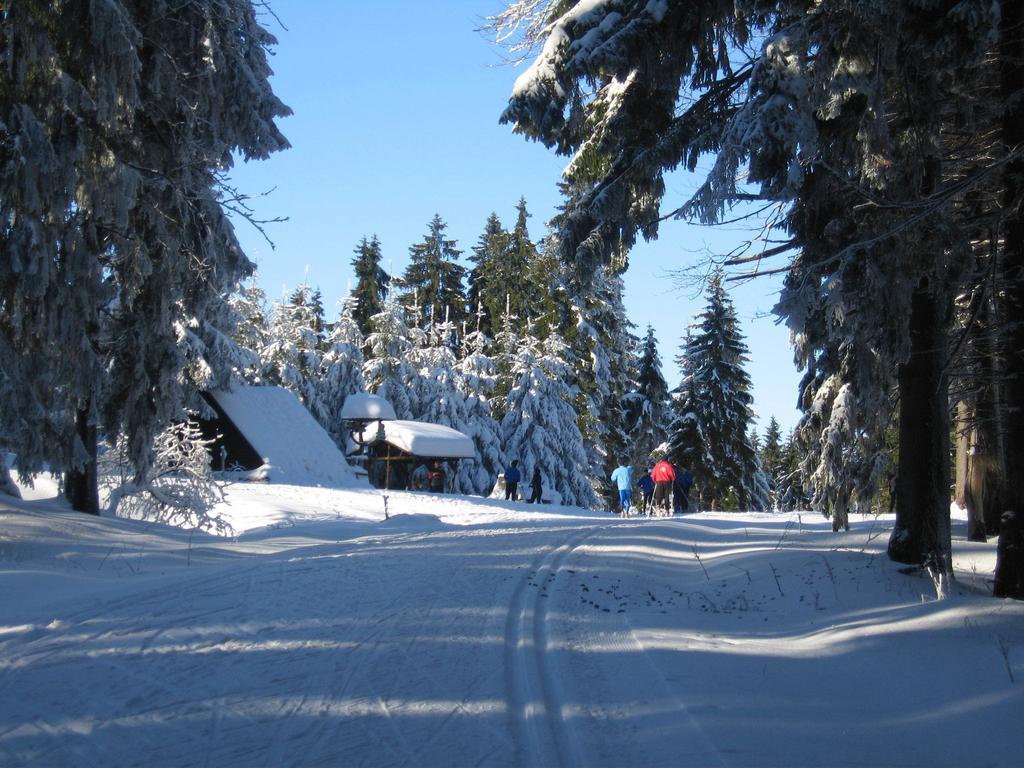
[(396, 118)]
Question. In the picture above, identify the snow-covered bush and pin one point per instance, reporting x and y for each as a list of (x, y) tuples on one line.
[(179, 489)]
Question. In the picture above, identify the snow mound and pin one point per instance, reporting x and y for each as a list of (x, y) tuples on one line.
[(295, 448)]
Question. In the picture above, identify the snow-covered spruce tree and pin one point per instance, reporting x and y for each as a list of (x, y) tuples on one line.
[(433, 281), (628, 90), (716, 396), (439, 393), (371, 282), (601, 353), (513, 279), (292, 356), (685, 444), (251, 330), (506, 349), (790, 493), (477, 380), (539, 426), (387, 369), (770, 453), (119, 120), (341, 369), (647, 405), (485, 290)]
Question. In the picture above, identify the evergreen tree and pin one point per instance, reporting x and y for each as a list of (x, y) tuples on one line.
[(647, 405), (387, 370), (686, 445), (251, 330), (371, 282), (790, 493), (716, 396), (601, 358), (120, 120), (440, 394), (292, 355), (485, 288), (771, 451), (539, 426), (341, 369), (506, 349), (512, 275), (433, 281), (477, 380)]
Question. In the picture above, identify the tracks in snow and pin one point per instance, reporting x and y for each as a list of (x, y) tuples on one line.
[(536, 700)]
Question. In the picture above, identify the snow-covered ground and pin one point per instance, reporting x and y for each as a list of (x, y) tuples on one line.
[(466, 632)]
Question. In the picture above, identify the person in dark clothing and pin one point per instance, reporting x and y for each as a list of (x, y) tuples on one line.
[(436, 478), (684, 481), (512, 478), (535, 486), (646, 486)]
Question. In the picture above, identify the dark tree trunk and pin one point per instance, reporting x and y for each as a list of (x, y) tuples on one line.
[(80, 485), (922, 533), (1009, 575)]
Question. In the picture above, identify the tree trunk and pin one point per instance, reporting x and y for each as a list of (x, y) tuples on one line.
[(80, 486), (969, 488), (1009, 575), (922, 533)]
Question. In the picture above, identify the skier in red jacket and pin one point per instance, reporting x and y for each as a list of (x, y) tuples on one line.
[(664, 476)]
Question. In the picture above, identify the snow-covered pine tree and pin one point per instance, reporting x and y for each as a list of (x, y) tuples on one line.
[(512, 276), (477, 381), (440, 393), (790, 492), (717, 396), (292, 356), (686, 445), (125, 117), (341, 369), (539, 426), (371, 282), (387, 369), (485, 288), (647, 405), (507, 344), (770, 452), (433, 281), (601, 357), (252, 329)]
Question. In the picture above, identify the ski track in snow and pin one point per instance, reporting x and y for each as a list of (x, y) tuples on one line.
[(542, 640), (536, 700)]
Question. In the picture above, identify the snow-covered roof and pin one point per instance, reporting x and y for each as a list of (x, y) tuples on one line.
[(278, 426), (363, 405), (426, 440)]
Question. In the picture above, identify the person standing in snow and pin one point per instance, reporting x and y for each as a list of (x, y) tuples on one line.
[(664, 476), (623, 479), (436, 477), (535, 486), (512, 478), (684, 481), (646, 486), (420, 478)]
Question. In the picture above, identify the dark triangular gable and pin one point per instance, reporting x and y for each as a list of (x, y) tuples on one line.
[(227, 440)]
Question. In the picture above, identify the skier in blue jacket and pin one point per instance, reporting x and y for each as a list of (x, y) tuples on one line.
[(512, 478), (623, 479)]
